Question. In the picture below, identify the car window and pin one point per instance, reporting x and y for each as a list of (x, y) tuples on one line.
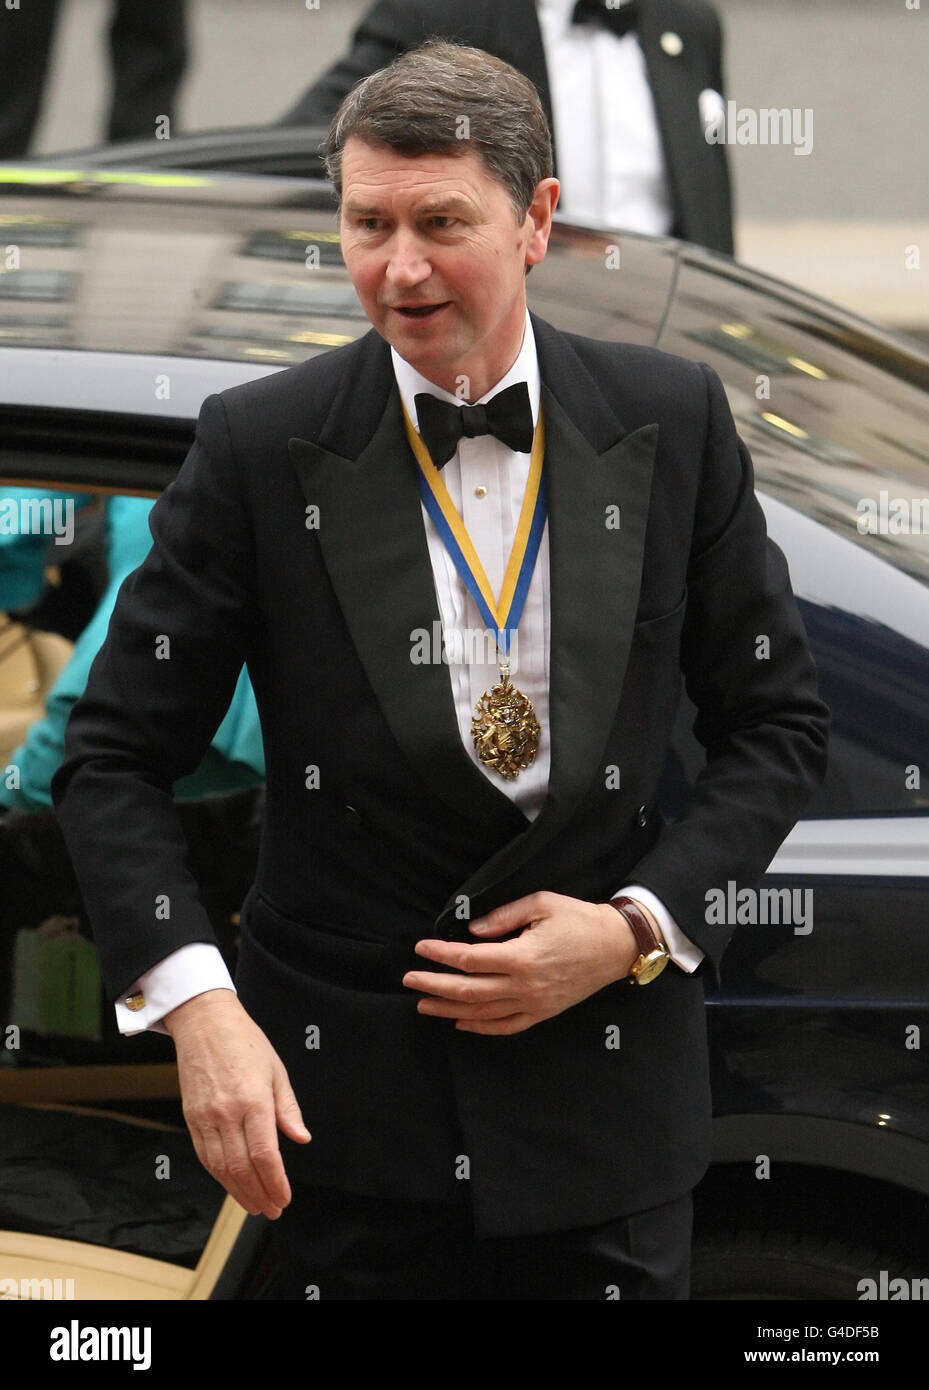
[(834, 417), (69, 1084)]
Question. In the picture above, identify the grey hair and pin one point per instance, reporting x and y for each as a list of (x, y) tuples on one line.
[(445, 98)]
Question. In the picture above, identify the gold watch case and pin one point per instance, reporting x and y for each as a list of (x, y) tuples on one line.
[(648, 968)]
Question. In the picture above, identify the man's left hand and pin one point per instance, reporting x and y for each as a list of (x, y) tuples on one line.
[(567, 950)]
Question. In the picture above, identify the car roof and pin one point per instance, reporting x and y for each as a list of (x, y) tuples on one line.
[(136, 293), (246, 268)]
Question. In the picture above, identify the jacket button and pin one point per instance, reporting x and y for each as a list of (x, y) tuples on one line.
[(641, 817)]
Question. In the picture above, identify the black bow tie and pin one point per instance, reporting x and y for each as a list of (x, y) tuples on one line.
[(618, 20), (507, 416)]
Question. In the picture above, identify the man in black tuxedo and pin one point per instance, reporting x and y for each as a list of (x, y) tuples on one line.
[(628, 88), (506, 1078)]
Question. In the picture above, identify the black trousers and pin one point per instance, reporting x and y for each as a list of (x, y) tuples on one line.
[(335, 1245), (148, 47)]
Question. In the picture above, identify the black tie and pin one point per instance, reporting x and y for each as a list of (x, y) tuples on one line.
[(507, 416), (619, 20)]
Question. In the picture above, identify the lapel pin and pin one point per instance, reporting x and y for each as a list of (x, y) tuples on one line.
[(671, 43)]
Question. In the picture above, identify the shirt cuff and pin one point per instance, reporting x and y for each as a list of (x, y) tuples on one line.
[(681, 949), (185, 973)]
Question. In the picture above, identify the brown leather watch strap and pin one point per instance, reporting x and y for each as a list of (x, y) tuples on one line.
[(645, 938)]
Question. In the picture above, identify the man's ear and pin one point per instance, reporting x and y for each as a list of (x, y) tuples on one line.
[(539, 215)]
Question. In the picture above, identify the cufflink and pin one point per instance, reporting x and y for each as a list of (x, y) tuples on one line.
[(671, 43), (135, 1002)]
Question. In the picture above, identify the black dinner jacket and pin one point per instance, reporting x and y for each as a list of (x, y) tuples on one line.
[(698, 173), (293, 539)]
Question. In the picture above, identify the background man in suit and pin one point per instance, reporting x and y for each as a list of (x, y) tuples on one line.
[(628, 90), (148, 49), (431, 946)]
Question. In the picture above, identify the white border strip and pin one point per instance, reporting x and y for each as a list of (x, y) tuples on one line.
[(880, 846)]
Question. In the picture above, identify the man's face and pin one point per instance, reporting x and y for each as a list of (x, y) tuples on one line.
[(438, 257)]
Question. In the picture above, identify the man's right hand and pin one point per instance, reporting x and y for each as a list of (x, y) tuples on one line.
[(236, 1096)]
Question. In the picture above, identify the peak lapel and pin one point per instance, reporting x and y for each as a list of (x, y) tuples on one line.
[(596, 573), (374, 546)]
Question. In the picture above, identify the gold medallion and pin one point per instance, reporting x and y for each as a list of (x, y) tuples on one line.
[(505, 729)]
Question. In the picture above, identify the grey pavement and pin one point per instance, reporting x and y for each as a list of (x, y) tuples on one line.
[(842, 220)]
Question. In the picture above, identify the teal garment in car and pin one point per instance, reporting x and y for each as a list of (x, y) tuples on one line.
[(235, 758)]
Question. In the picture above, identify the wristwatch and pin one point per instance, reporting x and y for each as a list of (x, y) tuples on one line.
[(653, 954)]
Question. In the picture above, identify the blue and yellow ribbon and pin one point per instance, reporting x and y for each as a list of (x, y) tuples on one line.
[(502, 615)]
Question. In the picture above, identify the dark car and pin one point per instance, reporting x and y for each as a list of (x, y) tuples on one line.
[(288, 151), (126, 298)]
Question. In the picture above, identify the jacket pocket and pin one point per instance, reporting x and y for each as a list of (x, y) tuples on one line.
[(662, 625), (326, 951)]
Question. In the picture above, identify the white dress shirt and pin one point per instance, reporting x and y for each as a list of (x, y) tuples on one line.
[(607, 143), (486, 481)]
